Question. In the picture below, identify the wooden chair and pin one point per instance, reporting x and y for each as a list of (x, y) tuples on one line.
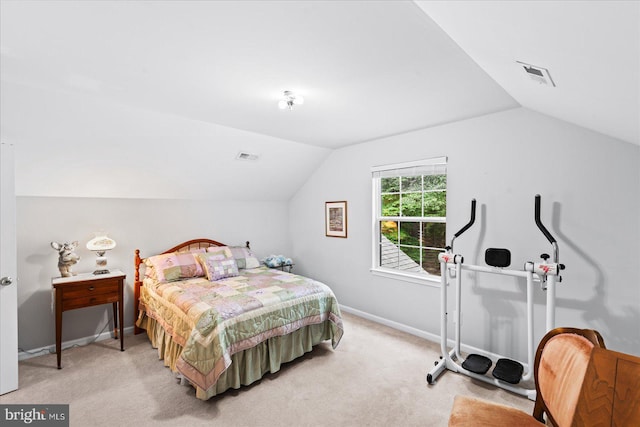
[(559, 368)]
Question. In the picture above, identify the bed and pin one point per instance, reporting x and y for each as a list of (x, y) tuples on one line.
[(221, 320)]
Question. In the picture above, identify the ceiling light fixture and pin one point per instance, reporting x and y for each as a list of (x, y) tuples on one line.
[(289, 100)]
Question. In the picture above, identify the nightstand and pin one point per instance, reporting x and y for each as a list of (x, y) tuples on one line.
[(86, 290)]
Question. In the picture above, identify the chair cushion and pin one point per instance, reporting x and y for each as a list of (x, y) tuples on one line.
[(471, 412)]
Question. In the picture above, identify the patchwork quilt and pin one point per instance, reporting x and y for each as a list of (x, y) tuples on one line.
[(214, 320)]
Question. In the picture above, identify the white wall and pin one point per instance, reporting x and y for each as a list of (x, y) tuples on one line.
[(590, 188), (590, 185), (149, 225)]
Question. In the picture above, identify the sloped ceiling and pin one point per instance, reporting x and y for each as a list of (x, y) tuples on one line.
[(591, 49), (366, 69), (146, 98)]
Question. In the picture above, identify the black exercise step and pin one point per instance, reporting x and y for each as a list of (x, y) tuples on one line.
[(477, 364), (508, 370)]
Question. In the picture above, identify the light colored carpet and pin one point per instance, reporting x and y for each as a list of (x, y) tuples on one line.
[(376, 377)]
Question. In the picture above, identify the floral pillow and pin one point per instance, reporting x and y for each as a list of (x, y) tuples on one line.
[(218, 265), (149, 271), (174, 266), (244, 257)]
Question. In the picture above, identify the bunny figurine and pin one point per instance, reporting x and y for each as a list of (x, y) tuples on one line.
[(67, 257)]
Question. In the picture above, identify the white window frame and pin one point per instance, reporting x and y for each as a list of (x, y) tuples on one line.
[(437, 163)]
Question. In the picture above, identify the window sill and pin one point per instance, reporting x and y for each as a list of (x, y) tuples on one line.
[(421, 279)]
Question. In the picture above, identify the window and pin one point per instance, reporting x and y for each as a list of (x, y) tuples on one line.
[(409, 217)]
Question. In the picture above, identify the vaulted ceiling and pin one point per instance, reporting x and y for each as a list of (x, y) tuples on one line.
[(591, 49), (140, 87)]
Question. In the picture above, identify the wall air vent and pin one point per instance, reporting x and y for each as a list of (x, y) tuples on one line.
[(537, 74), (243, 155)]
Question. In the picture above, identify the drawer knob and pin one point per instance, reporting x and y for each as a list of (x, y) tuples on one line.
[(91, 288)]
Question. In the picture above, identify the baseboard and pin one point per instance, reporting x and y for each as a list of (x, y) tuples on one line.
[(51, 349), (392, 324), (418, 332)]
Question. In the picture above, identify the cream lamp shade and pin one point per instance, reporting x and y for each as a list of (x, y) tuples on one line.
[(100, 244)]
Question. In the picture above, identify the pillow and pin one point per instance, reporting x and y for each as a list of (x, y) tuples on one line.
[(218, 265), (149, 271), (244, 257), (223, 251), (175, 266), (277, 261)]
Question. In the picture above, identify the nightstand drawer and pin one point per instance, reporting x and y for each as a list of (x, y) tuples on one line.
[(89, 289), (87, 301)]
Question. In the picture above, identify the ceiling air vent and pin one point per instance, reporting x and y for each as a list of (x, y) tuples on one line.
[(243, 155), (537, 74)]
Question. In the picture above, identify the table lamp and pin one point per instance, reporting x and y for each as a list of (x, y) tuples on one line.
[(101, 244)]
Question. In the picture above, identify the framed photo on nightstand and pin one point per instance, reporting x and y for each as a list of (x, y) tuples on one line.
[(335, 219)]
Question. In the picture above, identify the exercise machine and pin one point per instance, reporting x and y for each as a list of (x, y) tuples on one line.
[(507, 373)]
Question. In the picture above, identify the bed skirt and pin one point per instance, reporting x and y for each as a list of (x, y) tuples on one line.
[(247, 366)]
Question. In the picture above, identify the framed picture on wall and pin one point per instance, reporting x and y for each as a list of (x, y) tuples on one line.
[(335, 214)]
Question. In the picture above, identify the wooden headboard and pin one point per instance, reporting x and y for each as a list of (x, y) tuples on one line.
[(182, 247)]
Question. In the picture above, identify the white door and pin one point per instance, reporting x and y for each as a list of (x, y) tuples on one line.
[(8, 269)]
